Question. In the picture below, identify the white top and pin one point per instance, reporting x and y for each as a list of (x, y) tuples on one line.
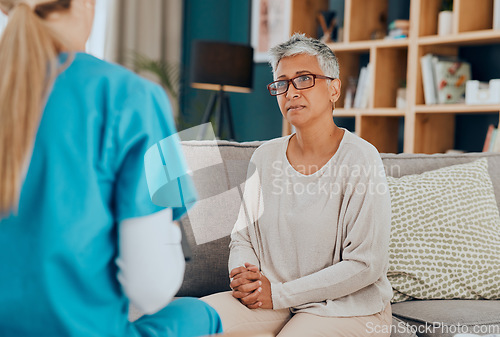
[(322, 240), (151, 263)]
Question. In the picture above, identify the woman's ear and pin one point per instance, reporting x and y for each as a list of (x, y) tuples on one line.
[(335, 86)]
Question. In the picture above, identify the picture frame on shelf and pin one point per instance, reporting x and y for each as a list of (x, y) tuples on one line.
[(270, 25)]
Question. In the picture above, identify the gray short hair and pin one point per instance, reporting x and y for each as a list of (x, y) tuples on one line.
[(300, 44)]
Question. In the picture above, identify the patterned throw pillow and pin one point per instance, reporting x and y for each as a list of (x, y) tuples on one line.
[(445, 236)]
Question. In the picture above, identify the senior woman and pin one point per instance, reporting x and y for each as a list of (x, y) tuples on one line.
[(309, 251)]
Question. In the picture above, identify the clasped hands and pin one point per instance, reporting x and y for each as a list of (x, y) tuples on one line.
[(250, 287)]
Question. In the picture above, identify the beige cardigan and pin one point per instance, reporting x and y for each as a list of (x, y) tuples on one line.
[(321, 239)]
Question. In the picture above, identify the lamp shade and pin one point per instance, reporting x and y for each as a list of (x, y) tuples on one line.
[(221, 65)]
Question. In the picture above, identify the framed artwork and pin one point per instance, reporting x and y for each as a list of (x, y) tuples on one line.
[(271, 20)]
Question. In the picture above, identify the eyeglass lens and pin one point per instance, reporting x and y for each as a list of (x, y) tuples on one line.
[(299, 82)]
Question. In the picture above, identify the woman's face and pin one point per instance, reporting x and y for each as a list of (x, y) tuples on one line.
[(303, 107)]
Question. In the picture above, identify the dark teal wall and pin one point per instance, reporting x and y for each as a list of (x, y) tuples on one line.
[(256, 115)]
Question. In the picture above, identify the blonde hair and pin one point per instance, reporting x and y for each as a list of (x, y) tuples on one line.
[(28, 59)]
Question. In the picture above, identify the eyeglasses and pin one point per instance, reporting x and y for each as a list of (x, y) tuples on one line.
[(300, 82)]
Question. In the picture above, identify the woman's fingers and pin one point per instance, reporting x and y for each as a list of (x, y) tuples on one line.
[(235, 283), (250, 275), (255, 305), (237, 271), (251, 267), (245, 287), (251, 299), (239, 295)]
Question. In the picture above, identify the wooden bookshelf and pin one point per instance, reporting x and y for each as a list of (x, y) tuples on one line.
[(427, 128)]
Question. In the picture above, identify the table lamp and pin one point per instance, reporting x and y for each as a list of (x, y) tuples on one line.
[(222, 67)]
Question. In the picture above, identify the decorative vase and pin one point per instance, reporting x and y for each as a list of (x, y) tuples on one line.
[(445, 23)]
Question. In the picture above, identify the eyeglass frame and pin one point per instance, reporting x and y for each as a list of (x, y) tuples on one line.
[(322, 77)]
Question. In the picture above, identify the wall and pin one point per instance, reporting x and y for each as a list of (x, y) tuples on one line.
[(256, 116)]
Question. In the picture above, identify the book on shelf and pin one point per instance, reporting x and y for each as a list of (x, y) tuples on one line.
[(444, 79), (487, 140), (365, 99), (451, 77), (361, 98), (495, 143), (359, 88), (492, 140), (350, 92), (428, 80)]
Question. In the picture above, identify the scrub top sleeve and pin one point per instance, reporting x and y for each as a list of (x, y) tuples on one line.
[(148, 149)]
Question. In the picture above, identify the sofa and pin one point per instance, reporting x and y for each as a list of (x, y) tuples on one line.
[(219, 171)]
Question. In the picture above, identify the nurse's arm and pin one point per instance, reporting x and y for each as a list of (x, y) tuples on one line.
[(151, 263)]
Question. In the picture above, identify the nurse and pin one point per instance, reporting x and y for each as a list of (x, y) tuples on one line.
[(79, 235)]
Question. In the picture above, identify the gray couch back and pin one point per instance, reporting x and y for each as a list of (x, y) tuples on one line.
[(219, 172)]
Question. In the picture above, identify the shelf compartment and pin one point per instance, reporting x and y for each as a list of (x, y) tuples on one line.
[(347, 122), (434, 132), (428, 18), (473, 15), (457, 108), (390, 71), (363, 17), (306, 9), (350, 64), (381, 131), (480, 37), (471, 130)]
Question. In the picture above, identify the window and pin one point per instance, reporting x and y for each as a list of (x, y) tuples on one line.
[(96, 42), (3, 22), (97, 39)]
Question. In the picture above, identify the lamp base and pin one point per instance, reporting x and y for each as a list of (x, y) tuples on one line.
[(221, 101)]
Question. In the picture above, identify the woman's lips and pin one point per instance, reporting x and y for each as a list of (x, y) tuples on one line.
[(295, 108)]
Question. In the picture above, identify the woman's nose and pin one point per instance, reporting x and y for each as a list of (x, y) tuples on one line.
[(292, 92)]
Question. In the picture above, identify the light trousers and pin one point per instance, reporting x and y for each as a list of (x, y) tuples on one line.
[(237, 317)]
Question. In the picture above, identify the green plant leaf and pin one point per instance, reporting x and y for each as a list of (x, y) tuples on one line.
[(167, 73)]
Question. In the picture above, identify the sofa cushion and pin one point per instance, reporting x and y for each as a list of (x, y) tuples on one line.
[(445, 240), (445, 318), (219, 172), (398, 165)]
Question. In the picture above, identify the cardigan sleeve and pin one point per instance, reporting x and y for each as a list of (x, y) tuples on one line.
[(243, 236)]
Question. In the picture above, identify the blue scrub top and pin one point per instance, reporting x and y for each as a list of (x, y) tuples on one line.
[(57, 255)]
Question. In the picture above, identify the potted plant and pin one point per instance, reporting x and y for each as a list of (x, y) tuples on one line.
[(445, 18)]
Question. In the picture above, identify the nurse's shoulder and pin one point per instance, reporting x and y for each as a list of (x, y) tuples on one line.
[(119, 81)]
